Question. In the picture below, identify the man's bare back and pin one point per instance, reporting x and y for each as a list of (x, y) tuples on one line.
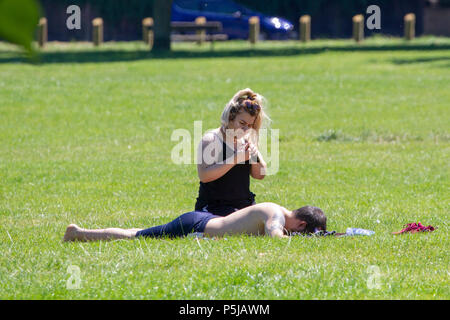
[(260, 219)]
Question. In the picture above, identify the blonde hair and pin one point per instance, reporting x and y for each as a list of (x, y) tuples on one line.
[(251, 102)]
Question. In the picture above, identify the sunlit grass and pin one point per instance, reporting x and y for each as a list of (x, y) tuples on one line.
[(85, 137)]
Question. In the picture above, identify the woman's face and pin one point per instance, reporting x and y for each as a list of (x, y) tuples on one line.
[(241, 124)]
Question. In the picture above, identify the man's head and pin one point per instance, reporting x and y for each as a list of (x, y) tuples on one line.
[(309, 219)]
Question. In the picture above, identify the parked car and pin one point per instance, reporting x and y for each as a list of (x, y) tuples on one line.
[(234, 18)]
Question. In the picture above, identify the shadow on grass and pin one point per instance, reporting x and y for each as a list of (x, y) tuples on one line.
[(101, 55), (421, 60)]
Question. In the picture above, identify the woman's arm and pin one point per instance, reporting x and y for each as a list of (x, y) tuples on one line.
[(258, 169), (210, 168), (213, 172)]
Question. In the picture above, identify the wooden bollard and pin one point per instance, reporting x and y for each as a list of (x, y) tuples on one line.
[(42, 35), (97, 31), (253, 28), (358, 27), (305, 28), (410, 26), (147, 31), (201, 33)]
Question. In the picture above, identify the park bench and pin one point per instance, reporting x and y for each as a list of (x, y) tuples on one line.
[(209, 26)]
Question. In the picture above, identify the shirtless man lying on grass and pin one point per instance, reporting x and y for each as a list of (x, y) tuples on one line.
[(260, 219)]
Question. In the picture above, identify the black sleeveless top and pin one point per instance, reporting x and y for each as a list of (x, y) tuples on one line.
[(232, 190)]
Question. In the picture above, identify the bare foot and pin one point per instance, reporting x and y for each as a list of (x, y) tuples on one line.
[(71, 232)]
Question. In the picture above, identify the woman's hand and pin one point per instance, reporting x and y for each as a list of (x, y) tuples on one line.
[(259, 166), (253, 151), (246, 151)]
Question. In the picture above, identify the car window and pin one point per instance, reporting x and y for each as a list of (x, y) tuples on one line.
[(220, 7), (188, 4)]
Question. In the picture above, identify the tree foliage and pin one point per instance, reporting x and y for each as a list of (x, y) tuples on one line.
[(18, 20)]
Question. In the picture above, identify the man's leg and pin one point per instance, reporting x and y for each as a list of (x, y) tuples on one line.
[(75, 233), (179, 227)]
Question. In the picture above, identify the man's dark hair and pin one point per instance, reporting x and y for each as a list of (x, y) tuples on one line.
[(313, 216)]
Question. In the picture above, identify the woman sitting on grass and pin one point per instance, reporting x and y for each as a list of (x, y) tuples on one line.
[(225, 172), (260, 219)]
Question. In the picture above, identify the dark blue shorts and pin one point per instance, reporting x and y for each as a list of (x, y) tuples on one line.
[(194, 221)]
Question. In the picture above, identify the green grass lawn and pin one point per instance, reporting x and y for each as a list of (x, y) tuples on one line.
[(85, 137)]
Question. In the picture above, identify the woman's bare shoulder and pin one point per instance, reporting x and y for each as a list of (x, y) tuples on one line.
[(212, 135)]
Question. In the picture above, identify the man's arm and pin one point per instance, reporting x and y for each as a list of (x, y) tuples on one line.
[(274, 226), (278, 233)]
